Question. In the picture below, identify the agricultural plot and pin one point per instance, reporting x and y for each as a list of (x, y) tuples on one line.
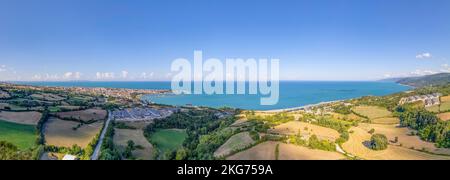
[(386, 120), (445, 99), (306, 130), (435, 108), (62, 134), (267, 151), (84, 115), (372, 112), (28, 118), (236, 142), (122, 136), (444, 116), (47, 97), (349, 117), (23, 136), (355, 146), (445, 107), (167, 140)]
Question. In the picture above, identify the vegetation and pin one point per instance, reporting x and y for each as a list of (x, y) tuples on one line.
[(21, 136), (378, 142), (108, 150)]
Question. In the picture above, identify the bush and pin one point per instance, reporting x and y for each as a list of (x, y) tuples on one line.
[(379, 142)]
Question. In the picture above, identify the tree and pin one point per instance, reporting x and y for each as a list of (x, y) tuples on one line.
[(378, 142), (181, 154)]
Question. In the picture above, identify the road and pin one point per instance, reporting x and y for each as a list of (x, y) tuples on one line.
[(96, 153)]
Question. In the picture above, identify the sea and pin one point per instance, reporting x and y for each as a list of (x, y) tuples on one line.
[(292, 93)]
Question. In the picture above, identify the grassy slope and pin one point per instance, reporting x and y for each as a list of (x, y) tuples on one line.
[(23, 136), (168, 139)]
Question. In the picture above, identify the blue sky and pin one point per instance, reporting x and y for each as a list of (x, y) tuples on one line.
[(314, 39)]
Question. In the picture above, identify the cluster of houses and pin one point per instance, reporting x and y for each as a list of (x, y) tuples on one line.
[(142, 114), (428, 100)]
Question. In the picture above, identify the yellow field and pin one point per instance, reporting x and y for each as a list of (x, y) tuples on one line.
[(306, 130), (60, 133), (85, 115), (266, 151), (356, 147), (349, 117), (386, 121), (28, 118), (236, 142), (445, 107), (122, 136), (445, 99), (434, 109), (372, 112), (444, 116)]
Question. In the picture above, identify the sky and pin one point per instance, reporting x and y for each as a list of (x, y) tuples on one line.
[(137, 40)]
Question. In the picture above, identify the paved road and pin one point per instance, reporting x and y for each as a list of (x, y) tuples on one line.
[(96, 153)]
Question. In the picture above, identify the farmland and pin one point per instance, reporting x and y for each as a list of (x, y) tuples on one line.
[(306, 130), (372, 112), (167, 140), (236, 142), (122, 136), (356, 147), (386, 120), (28, 118), (444, 116), (47, 97), (61, 133), (23, 136), (267, 151), (84, 115)]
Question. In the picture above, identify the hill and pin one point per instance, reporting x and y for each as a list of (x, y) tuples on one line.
[(422, 81)]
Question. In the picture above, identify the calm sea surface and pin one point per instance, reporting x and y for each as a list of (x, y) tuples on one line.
[(292, 93)]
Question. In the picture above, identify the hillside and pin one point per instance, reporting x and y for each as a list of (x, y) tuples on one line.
[(430, 80)]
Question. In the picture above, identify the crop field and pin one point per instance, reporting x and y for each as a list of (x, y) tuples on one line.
[(387, 120), (61, 133), (84, 115), (122, 136), (266, 151), (23, 136), (445, 107), (236, 142), (47, 97), (28, 118), (356, 147), (306, 130), (372, 112), (349, 117), (168, 139), (435, 108), (444, 116), (445, 99)]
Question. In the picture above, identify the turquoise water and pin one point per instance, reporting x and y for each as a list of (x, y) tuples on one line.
[(292, 93)]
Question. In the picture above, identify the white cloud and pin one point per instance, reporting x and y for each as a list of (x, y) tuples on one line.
[(72, 75), (424, 56), (145, 75), (445, 68), (3, 68), (105, 75), (124, 74), (419, 72)]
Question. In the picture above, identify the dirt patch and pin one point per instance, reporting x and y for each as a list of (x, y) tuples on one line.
[(84, 115), (61, 133), (356, 147), (444, 116), (122, 136), (236, 142), (28, 118), (306, 130)]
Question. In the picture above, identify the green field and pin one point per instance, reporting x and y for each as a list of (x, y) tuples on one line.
[(23, 136), (168, 139)]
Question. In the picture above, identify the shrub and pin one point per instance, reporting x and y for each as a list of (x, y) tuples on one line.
[(378, 142)]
